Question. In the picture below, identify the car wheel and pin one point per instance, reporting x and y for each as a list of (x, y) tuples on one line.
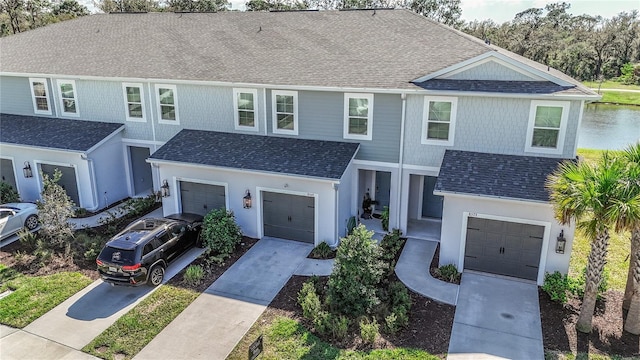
[(156, 275), (31, 222)]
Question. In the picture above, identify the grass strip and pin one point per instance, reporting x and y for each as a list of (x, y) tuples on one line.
[(559, 355), (287, 339), (610, 84), (620, 97), (34, 296), (134, 330)]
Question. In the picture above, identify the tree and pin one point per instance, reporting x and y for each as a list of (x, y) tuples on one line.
[(356, 274), (629, 218), (69, 9), (109, 6), (55, 208), (7, 193), (197, 5), (447, 12), (14, 10), (268, 5), (588, 194)]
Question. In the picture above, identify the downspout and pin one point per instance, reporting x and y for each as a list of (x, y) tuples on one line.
[(336, 186), (403, 96), (264, 106), (92, 179), (151, 118)]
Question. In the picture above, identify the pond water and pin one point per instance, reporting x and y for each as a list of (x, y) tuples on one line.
[(607, 126)]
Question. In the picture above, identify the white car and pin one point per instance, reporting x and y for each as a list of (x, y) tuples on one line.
[(15, 216)]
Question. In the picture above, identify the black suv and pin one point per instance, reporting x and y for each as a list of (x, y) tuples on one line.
[(140, 253)]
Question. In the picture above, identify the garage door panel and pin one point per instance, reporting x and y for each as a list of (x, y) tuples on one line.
[(503, 247), (289, 216), (67, 181), (200, 198)]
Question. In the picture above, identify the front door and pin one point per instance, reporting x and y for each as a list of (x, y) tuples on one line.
[(431, 204), (383, 189), (140, 169)]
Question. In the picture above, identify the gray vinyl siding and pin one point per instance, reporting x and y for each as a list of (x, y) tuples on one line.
[(489, 71), (321, 117), (15, 96), (483, 124)]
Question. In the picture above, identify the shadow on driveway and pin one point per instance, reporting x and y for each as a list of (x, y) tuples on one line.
[(105, 300)]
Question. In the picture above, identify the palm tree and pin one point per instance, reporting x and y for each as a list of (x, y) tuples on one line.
[(629, 218), (588, 194)]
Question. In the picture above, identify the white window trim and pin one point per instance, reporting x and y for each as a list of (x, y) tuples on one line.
[(61, 99), (274, 114), (236, 116), (33, 96), (175, 104), (345, 132), (452, 121), (563, 126), (126, 102)]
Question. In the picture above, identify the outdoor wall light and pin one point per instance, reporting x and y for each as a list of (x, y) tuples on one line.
[(561, 242), (164, 189), (246, 200), (26, 170)]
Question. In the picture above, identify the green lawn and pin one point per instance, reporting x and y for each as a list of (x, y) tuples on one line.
[(35, 295), (134, 330), (620, 97), (619, 246), (286, 339), (610, 84)]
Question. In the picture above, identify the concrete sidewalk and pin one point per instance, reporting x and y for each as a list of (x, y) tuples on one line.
[(213, 324), (413, 270), (496, 317)]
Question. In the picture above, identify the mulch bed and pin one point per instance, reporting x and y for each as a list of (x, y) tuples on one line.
[(607, 337), (212, 273), (429, 326)]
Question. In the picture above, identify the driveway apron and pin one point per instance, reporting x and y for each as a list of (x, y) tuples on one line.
[(82, 317), (213, 324), (496, 318)]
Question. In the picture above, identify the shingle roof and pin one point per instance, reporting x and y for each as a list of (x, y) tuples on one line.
[(290, 156), (381, 49), (519, 87), (64, 134), (494, 175)]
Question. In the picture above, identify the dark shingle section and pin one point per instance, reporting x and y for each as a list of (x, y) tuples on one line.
[(74, 135), (313, 158), (505, 176), (385, 49), (514, 87)]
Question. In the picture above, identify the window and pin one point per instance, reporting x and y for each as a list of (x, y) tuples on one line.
[(40, 96), (68, 100), (244, 106), (547, 125), (134, 102), (358, 116), (167, 104), (438, 125), (285, 112)]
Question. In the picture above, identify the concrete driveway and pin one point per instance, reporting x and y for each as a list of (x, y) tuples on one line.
[(82, 317), (496, 318), (213, 324)]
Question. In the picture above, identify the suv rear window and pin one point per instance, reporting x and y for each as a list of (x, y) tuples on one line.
[(117, 256)]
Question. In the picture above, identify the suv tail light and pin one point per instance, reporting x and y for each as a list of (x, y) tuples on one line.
[(131, 267), (99, 262)]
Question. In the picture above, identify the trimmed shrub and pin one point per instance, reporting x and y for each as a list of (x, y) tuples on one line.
[(556, 286), (449, 273), (309, 301), (385, 218), (391, 244), (220, 232), (369, 330), (576, 285), (391, 325), (8, 194), (399, 296), (55, 208), (322, 251), (356, 274), (193, 275)]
